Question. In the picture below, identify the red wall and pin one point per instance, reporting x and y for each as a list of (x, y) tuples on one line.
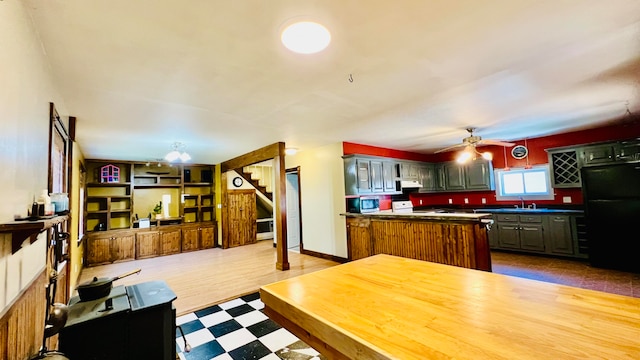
[(537, 155)]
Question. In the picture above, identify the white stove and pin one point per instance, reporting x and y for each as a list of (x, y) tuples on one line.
[(402, 207)]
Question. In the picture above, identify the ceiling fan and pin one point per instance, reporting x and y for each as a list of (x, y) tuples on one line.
[(473, 141)]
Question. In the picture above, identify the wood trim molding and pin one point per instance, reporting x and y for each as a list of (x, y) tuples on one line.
[(280, 212), (337, 259), (266, 153), (224, 215), (22, 325)]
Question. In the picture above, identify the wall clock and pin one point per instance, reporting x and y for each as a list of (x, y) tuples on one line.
[(237, 181), (519, 152)]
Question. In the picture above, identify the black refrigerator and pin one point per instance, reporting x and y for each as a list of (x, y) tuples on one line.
[(611, 196)]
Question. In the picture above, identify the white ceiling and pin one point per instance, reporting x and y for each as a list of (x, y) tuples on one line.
[(407, 74)]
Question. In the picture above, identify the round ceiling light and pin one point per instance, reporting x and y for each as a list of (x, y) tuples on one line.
[(306, 37)]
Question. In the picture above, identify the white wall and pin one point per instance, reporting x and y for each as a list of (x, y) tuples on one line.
[(322, 198), (26, 89)]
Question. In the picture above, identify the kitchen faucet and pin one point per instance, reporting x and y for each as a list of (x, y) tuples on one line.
[(521, 202)]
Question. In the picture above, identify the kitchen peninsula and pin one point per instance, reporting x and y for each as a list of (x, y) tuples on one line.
[(388, 307), (458, 239)]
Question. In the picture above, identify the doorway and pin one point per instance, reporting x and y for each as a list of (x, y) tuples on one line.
[(294, 220)]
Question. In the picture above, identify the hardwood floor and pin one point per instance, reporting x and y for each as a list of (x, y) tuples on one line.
[(577, 273), (207, 277)]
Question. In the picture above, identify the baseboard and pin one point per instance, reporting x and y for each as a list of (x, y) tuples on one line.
[(324, 256), (321, 255)]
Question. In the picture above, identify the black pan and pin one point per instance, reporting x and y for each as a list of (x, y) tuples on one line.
[(99, 287)]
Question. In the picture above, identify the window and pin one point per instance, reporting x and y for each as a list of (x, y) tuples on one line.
[(529, 184)]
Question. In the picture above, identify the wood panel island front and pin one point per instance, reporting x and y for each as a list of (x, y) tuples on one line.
[(458, 239)]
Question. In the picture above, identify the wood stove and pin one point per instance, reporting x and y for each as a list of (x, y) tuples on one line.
[(132, 322)]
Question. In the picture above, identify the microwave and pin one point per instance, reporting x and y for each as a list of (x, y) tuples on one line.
[(363, 205)]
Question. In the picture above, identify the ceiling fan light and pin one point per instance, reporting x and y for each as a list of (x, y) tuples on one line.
[(487, 155), (463, 157), (172, 156), (184, 157)]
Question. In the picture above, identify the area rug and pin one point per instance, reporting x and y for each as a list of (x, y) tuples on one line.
[(238, 329)]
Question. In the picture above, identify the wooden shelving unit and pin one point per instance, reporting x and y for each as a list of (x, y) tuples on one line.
[(198, 196), (108, 203), (140, 187)]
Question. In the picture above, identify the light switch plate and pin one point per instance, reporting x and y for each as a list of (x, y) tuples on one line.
[(450, 201), (484, 201), (466, 200)]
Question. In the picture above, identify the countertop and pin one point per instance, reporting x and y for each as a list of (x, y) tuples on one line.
[(421, 215), (387, 307), (529, 211)]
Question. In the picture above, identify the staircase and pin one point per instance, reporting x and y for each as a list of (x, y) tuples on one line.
[(261, 177)]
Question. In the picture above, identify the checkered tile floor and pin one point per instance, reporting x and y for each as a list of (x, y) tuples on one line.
[(238, 329)]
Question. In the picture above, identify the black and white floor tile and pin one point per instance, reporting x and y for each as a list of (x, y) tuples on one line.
[(238, 329)]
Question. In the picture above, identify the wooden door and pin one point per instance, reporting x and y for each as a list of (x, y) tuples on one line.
[(377, 176), (98, 249), (509, 235), (531, 237), (123, 247), (454, 176), (147, 244), (559, 235), (242, 217), (363, 174), (170, 241), (207, 237), (190, 238)]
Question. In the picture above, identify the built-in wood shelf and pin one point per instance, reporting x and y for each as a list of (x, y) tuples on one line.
[(21, 230)]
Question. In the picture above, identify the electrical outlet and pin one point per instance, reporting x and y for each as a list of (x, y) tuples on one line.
[(420, 201), (566, 199), (450, 201), (219, 206), (466, 200), (484, 201)]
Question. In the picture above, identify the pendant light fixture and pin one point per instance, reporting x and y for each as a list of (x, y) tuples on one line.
[(471, 153), (177, 153)]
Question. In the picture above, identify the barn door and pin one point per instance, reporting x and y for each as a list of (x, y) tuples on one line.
[(241, 207)]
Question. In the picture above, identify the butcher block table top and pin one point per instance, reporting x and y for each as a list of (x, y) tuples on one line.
[(387, 307)]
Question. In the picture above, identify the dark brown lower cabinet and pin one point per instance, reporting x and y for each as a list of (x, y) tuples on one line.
[(190, 238), (110, 247), (147, 244), (200, 236), (105, 247), (170, 241), (208, 236)]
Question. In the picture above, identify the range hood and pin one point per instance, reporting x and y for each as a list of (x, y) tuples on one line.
[(410, 184)]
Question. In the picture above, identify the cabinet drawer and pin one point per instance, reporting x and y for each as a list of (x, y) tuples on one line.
[(530, 218), (507, 218)]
